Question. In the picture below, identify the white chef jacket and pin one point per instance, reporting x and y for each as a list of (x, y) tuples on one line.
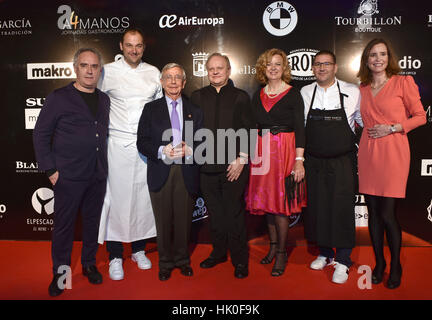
[(328, 99), (127, 213)]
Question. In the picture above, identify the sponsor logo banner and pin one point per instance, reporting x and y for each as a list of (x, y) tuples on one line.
[(15, 27), (426, 167), (31, 116), (300, 61), (50, 70), (280, 18), (171, 20)]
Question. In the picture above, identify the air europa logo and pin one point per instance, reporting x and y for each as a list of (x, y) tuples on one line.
[(71, 23), (171, 21), (53, 70)]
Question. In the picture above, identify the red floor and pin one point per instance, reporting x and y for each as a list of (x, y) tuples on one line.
[(25, 274)]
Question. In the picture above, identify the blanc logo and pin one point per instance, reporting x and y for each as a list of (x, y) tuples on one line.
[(280, 18), (199, 61), (300, 61), (51, 70), (429, 210), (24, 167), (426, 167), (43, 201), (171, 20)]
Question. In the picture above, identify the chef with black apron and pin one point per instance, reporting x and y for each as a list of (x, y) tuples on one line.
[(332, 107)]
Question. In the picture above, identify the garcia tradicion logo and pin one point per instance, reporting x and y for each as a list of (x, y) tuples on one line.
[(71, 23), (280, 18)]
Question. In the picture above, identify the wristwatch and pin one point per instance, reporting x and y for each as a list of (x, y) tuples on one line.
[(392, 128), (300, 158)]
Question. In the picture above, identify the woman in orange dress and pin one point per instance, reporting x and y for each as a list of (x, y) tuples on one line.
[(279, 109), (390, 108)]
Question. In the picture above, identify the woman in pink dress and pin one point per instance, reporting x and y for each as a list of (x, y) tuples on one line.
[(279, 108), (390, 108)]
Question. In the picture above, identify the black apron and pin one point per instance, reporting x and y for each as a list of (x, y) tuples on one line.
[(330, 167)]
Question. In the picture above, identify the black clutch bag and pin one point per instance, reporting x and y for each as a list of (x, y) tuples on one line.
[(294, 191)]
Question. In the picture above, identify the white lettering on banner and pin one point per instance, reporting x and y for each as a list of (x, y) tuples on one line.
[(31, 116), (300, 61), (170, 21), (53, 70), (2, 208), (15, 24), (426, 167), (429, 210), (33, 102), (408, 65), (430, 18)]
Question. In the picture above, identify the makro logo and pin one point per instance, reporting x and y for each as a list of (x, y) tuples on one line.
[(71, 23), (280, 18), (53, 70), (366, 22), (171, 21), (15, 27), (426, 167), (409, 65), (300, 61)]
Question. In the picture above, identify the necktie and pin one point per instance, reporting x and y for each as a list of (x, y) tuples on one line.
[(175, 124)]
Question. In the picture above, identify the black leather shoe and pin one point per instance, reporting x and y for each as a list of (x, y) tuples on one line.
[(93, 275), (378, 274), (164, 274), (186, 270), (241, 271), (210, 262), (53, 288), (394, 279)]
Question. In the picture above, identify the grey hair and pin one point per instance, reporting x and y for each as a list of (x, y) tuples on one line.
[(217, 54), (173, 65), (82, 50)]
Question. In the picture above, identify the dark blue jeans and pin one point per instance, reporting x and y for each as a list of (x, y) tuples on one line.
[(342, 255), (115, 248)]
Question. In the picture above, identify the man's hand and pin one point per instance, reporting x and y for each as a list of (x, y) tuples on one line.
[(235, 169), (177, 152), (54, 177)]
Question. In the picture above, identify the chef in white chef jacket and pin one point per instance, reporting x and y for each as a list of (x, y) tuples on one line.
[(127, 215)]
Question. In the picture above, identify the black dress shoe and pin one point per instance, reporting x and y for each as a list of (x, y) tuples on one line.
[(164, 274), (394, 279), (210, 262), (241, 271), (186, 270), (378, 274), (93, 275), (53, 288)]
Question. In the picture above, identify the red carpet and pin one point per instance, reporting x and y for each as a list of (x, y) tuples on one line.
[(26, 273)]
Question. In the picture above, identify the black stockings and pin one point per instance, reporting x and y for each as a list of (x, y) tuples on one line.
[(278, 226), (382, 218)]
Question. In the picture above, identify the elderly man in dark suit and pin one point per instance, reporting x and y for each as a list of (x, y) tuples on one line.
[(70, 145), (172, 175)]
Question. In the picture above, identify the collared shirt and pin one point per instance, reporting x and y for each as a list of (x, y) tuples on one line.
[(328, 99), (129, 90)]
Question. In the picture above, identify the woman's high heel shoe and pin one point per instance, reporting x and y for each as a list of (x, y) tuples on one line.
[(394, 279), (378, 274), (278, 271), (269, 257)]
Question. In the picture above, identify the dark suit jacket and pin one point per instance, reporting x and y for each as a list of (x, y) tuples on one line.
[(154, 121), (67, 136)]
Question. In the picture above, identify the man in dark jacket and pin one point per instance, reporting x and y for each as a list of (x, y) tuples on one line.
[(70, 145), (224, 175)]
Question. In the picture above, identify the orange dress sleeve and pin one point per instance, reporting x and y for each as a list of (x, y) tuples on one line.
[(413, 106)]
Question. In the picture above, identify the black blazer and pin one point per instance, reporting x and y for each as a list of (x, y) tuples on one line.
[(68, 138), (154, 121)]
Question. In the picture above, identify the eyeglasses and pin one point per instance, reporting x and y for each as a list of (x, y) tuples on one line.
[(324, 64), (177, 77)]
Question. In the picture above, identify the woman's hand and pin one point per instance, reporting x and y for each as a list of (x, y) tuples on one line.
[(298, 170), (379, 131)]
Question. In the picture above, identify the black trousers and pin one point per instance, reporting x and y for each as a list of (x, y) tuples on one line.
[(173, 209), (115, 248), (226, 206), (70, 196)]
